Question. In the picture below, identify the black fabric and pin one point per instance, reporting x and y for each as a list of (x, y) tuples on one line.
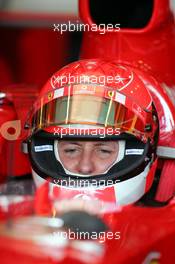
[(130, 14), (80, 221), (22, 185), (148, 199)]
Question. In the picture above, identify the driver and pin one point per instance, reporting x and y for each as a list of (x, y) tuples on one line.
[(93, 131)]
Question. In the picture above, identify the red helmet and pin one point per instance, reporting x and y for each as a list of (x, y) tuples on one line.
[(95, 100)]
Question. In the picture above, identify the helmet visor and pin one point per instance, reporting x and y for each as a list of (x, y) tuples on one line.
[(89, 105)]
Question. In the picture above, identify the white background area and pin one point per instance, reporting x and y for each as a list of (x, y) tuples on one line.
[(172, 5), (42, 6)]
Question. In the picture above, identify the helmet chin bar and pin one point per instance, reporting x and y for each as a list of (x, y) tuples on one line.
[(121, 193), (45, 163)]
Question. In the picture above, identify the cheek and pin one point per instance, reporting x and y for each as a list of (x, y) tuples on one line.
[(103, 164), (68, 162)]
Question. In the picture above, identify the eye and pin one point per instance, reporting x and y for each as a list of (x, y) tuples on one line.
[(106, 151), (70, 150)]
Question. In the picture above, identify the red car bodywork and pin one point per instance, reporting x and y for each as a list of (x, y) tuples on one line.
[(147, 234), (151, 50)]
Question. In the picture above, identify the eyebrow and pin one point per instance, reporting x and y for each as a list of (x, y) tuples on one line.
[(79, 144), (102, 144), (73, 143)]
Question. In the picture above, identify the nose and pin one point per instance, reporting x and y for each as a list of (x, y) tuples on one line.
[(86, 165)]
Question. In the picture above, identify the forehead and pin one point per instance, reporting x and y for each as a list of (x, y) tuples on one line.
[(88, 142)]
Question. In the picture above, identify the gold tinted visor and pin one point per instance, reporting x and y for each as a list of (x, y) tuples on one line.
[(101, 107)]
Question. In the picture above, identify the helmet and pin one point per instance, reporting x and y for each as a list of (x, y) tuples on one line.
[(95, 101)]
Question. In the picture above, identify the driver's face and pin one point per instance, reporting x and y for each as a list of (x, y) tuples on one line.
[(87, 157)]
